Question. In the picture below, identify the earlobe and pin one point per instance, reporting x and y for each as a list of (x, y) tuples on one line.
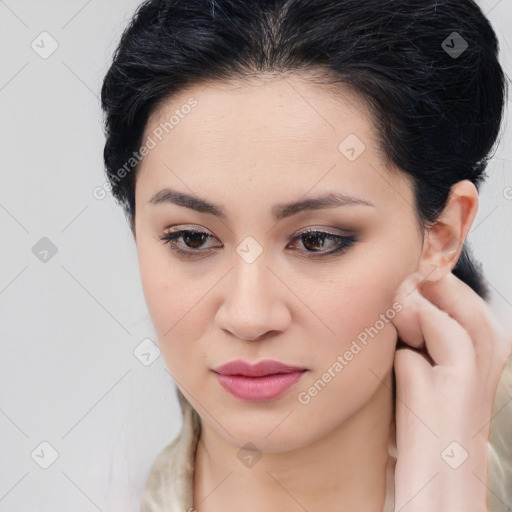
[(446, 237)]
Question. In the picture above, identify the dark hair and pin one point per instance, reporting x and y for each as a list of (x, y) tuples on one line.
[(436, 103)]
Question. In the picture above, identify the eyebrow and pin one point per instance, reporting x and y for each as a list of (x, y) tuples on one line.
[(279, 211)]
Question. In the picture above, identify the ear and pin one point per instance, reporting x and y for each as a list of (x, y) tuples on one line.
[(444, 240)]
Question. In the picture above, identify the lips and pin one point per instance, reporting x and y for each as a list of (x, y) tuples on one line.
[(258, 382), (265, 367)]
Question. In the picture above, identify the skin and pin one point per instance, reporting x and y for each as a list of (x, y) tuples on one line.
[(249, 147)]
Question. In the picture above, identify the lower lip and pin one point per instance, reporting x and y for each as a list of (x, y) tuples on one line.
[(259, 389)]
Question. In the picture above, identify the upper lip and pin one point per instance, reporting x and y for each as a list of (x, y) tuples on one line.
[(266, 367)]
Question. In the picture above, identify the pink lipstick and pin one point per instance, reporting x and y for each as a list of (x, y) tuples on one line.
[(260, 382)]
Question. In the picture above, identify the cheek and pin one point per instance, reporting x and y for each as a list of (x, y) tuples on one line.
[(351, 305), (172, 302), (359, 339), (350, 364)]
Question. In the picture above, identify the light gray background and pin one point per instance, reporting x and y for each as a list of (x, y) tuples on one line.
[(69, 325)]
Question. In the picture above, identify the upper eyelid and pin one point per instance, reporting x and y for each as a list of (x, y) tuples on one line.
[(314, 228)]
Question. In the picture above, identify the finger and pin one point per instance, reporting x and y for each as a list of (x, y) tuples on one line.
[(445, 340), (404, 321), (413, 382), (411, 367), (462, 303), (471, 311)]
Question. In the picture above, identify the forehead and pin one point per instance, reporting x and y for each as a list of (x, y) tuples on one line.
[(285, 111), (283, 132)]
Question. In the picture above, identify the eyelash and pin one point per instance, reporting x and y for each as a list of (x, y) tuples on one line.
[(343, 242)]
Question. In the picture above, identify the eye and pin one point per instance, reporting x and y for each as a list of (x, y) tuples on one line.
[(313, 240), (193, 239)]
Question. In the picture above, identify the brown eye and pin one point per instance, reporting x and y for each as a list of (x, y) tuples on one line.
[(192, 239), (314, 241)]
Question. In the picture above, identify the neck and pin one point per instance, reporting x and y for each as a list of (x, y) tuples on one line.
[(343, 470)]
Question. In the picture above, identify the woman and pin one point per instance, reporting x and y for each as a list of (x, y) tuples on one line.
[(300, 177)]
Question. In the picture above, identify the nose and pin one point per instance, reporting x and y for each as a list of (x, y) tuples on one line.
[(254, 302)]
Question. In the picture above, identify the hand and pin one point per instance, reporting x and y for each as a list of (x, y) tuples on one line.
[(447, 373)]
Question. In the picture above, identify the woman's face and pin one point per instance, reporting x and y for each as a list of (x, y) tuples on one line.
[(253, 288)]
